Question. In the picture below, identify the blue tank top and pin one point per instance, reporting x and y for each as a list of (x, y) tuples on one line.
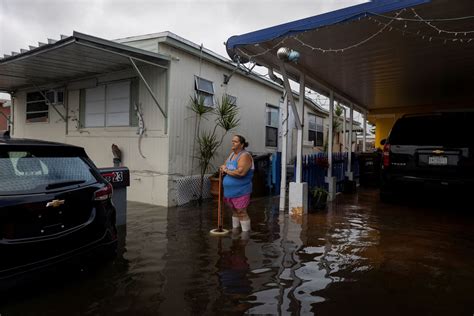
[(237, 186)]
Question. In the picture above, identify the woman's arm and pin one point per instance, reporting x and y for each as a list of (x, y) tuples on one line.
[(243, 166), (223, 167)]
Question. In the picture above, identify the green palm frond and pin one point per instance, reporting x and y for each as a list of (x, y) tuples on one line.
[(227, 114), (208, 145), (198, 106)]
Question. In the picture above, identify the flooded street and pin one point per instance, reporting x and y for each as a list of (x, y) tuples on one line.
[(358, 257)]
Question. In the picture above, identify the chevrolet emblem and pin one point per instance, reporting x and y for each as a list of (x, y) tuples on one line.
[(55, 203), (438, 151)]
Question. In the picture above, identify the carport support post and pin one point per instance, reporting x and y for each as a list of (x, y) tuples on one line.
[(330, 180), (284, 134), (349, 174), (344, 131), (298, 197), (364, 138)]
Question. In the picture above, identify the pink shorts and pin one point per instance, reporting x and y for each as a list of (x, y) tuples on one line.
[(238, 202)]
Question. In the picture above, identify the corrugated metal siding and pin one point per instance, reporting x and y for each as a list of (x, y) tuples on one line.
[(251, 100), (156, 78)]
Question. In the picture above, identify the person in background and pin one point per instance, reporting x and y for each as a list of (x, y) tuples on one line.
[(238, 172)]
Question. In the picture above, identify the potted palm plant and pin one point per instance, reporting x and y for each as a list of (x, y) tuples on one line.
[(208, 142)]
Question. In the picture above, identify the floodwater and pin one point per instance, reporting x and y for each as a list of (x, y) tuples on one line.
[(359, 257)]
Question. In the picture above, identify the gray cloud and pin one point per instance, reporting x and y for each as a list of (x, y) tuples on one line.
[(211, 22), (24, 23)]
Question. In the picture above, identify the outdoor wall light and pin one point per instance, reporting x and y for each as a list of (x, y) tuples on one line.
[(287, 54)]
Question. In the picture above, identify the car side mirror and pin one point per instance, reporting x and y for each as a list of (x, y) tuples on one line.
[(383, 141)]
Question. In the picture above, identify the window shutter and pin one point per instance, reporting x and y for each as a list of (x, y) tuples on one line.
[(118, 104), (95, 107)]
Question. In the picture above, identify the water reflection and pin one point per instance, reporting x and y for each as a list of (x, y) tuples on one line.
[(356, 254), (310, 254)]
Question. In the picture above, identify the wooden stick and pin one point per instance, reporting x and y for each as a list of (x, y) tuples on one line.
[(219, 213)]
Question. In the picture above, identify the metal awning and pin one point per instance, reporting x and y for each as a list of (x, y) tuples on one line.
[(382, 55), (75, 57)]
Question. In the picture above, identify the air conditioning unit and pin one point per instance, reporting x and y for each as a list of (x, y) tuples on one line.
[(55, 97)]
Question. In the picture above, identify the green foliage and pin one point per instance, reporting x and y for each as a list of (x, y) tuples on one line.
[(207, 147), (226, 117), (227, 114), (317, 191), (336, 123), (198, 106)]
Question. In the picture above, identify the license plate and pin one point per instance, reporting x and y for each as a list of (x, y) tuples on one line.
[(438, 160)]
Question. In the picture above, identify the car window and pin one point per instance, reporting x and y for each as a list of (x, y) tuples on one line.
[(22, 172), (450, 129)]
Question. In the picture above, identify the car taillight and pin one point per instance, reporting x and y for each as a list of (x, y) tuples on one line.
[(386, 155), (104, 193)]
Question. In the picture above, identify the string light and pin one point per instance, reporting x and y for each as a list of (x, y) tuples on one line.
[(430, 37), (425, 20), (331, 50), (250, 57), (384, 27), (437, 28), (322, 50), (429, 22)]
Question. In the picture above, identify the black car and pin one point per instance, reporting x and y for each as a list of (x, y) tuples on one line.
[(54, 207), (429, 151)]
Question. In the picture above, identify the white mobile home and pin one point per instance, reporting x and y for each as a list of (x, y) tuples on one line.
[(134, 93)]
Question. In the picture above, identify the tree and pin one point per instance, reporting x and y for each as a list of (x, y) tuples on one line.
[(336, 123), (208, 142)]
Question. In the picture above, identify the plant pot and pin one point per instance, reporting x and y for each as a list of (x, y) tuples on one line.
[(214, 187), (319, 201)]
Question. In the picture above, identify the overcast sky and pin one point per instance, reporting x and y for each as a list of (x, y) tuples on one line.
[(212, 22)]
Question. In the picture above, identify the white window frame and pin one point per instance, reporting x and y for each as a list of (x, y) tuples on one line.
[(267, 125), (34, 112), (318, 128), (107, 111), (201, 91)]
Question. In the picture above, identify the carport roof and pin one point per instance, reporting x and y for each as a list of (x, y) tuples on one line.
[(74, 57), (383, 55)]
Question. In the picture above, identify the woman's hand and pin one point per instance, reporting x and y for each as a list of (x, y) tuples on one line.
[(223, 168)]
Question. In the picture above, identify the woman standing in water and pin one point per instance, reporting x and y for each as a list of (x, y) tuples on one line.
[(238, 170)]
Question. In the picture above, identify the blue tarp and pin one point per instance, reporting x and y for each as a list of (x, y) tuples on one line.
[(317, 21)]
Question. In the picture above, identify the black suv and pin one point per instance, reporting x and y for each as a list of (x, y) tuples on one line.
[(54, 206), (429, 151)]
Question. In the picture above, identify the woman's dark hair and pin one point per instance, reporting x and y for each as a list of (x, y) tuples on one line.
[(242, 140)]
